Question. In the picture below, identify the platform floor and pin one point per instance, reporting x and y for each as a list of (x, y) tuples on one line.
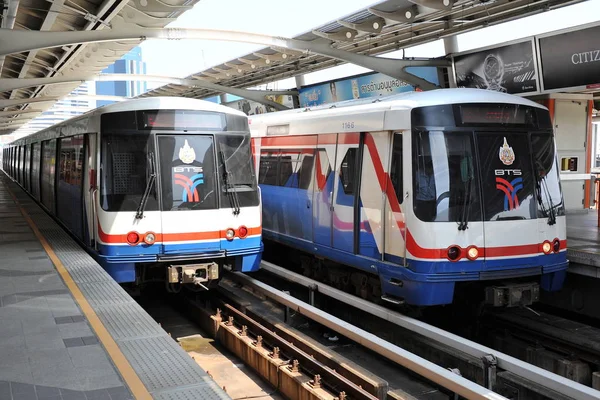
[(68, 331)]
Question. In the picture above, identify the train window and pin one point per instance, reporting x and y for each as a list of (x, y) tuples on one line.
[(35, 170), (27, 167), (322, 170), (291, 169), (287, 163), (348, 171), (187, 172), (445, 184), (235, 157), (48, 173), (267, 174), (126, 164), (396, 168), (305, 172), (547, 174), (20, 164)]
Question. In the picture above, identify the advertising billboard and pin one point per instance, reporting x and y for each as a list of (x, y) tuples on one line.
[(570, 59), (510, 69), (362, 86), (250, 107)]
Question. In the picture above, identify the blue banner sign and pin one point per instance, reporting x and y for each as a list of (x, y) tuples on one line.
[(362, 86)]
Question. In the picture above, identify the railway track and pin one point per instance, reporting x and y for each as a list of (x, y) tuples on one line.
[(502, 373), (255, 334), (549, 341)]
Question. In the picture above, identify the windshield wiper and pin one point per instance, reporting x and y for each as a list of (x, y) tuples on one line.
[(539, 182), (464, 220), (232, 194), (139, 214), (552, 209)]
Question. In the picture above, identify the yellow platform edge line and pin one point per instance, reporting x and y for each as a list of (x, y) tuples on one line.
[(132, 380)]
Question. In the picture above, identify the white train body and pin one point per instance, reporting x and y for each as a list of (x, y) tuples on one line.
[(143, 184), (417, 193)]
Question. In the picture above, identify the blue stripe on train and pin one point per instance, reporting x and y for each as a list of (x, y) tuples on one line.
[(119, 260)]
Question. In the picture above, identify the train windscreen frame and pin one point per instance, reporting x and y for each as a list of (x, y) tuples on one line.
[(498, 143)]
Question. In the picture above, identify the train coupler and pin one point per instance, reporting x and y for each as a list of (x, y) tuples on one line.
[(514, 295), (193, 273)]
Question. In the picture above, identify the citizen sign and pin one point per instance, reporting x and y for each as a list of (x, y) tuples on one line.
[(588, 56), (570, 59)]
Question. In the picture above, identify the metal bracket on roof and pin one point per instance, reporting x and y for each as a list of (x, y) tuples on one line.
[(346, 35), (435, 4), (405, 15), (94, 19), (372, 25), (159, 6)]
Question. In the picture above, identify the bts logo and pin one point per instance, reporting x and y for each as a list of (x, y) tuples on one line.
[(187, 169), (189, 193), (510, 189)]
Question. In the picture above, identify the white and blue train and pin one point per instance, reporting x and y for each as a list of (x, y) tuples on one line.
[(417, 198), (156, 189)]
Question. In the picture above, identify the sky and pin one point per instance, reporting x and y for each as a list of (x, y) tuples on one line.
[(289, 18)]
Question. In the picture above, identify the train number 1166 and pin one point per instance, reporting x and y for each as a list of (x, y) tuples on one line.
[(348, 125)]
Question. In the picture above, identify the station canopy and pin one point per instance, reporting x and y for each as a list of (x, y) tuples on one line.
[(383, 27)]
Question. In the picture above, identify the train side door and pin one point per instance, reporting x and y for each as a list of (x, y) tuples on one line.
[(375, 194), (345, 191), (90, 192), (322, 204)]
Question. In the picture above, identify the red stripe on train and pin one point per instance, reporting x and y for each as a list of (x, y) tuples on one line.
[(175, 237)]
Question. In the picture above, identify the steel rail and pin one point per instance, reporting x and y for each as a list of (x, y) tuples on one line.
[(441, 376), (508, 363)]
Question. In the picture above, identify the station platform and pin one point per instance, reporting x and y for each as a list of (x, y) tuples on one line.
[(583, 243), (68, 331)]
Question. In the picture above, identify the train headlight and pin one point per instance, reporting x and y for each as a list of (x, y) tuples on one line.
[(242, 232), (556, 245), (229, 234), (133, 238), (472, 253), (453, 253), (150, 238), (546, 247)]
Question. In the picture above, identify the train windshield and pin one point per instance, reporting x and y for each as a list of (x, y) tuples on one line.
[(187, 172), (516, 179), (444, 174), (126, 168), (236, 171)]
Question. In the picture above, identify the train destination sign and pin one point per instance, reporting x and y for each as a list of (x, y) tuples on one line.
[(570, 59)]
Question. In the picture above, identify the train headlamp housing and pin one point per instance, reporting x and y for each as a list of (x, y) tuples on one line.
[(453, 253), (546, 247), (556, 245), (133, 238), (150, 238), (242, 232), (472, 253), (230, 234)]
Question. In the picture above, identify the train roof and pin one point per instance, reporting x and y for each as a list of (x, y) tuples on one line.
[(374, 113), (149, 103), (165, 103)]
